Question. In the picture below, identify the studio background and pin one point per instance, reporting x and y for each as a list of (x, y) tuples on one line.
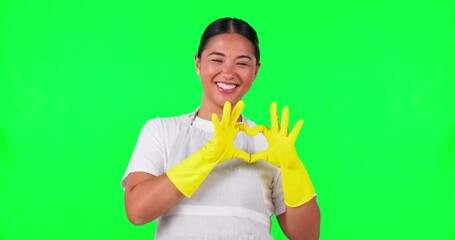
[(374, 82)]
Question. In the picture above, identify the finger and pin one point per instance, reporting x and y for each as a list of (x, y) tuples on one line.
[(242, 155), (264, 156), (285, 121), (242, 127), (259, 156), (295, 131), (274, 117), (236, 112), (252, 131), (267, 132), (216, 122), (226, 114), (238, 128), (258, 129)]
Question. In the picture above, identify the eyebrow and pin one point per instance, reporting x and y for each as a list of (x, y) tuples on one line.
[(222, 54)]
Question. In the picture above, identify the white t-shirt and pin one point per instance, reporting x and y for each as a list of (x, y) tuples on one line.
[(156, 140)]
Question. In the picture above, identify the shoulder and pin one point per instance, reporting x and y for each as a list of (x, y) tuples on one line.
[(165, 129), (162, 123)]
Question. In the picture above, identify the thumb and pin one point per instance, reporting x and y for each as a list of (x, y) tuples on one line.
[(242, 155), (259, 156)]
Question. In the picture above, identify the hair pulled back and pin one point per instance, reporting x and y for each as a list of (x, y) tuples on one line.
[(230, 25)]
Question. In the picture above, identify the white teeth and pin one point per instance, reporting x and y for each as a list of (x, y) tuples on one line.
[(226, 86)]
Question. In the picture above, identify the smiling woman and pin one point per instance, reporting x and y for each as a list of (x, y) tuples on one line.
[(227, 68), (200, 178)]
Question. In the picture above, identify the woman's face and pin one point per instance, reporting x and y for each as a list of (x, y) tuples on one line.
[(227, 68)]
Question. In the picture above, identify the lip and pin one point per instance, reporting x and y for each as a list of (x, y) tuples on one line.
[(222, 90)]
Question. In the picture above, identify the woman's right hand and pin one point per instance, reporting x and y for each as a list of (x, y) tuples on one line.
[(189, 174), (221, 147)]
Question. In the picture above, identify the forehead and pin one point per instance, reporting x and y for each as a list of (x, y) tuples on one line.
[(230, 43)]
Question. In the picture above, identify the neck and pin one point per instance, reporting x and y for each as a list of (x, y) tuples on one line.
[(206, 111)]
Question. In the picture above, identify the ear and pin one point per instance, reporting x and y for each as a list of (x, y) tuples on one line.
[(257, 70), (197, 62)]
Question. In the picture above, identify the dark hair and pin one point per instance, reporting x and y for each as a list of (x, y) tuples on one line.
[(230, 25)]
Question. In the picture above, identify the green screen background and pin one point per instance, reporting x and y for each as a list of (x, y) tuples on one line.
[(374, 81)]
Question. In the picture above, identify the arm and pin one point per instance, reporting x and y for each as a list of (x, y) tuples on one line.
[(148, 197), (302, 222)]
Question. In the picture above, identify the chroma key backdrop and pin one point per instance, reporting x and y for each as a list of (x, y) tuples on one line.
[(373, 80)]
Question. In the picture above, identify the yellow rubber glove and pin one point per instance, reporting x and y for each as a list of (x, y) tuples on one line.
[(281, 152), (189, 174)]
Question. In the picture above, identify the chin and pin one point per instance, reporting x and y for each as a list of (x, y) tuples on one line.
[(233, 101)]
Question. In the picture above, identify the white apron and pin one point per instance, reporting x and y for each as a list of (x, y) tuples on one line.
[(229, 204)]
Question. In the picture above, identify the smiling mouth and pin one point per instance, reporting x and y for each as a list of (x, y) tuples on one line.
[(226, 86)]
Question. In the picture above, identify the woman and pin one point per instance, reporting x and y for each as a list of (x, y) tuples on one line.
[(199, 178)]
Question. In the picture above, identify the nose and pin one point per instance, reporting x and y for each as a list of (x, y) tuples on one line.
[(228, 71)]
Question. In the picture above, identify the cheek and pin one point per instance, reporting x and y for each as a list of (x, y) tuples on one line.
[(249, 76), (209, 71), (207, 76)]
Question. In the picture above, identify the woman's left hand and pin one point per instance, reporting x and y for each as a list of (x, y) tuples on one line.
[(281, 152)]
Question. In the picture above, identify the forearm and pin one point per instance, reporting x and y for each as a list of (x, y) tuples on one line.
[(151, 198), (302, 222)]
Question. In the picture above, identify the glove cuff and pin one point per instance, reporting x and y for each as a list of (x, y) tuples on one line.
[(297, 186), (189, 174)]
